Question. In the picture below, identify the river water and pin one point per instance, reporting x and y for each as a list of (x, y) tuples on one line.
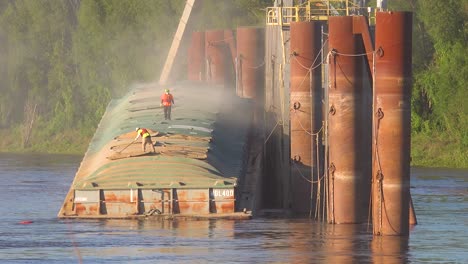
[(32, 188)]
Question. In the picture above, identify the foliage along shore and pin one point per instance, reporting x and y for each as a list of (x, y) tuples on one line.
[(69, 142), (63, 61), (427, 151)]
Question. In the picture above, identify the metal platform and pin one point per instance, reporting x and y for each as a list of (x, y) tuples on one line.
[(316, 10)]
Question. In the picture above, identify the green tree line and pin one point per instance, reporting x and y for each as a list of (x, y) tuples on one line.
[(64, 60), (440, 87)]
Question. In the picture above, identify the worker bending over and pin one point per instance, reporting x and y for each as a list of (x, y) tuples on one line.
[(145, 138)]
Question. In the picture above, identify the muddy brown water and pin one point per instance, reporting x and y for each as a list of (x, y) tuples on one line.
[(32, 189)]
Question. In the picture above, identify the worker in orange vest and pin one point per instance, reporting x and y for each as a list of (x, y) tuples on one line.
[(145, 138), (167, 100)]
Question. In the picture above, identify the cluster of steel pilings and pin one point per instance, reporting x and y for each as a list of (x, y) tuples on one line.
[(349, 112), (363, 112), (228, 57)]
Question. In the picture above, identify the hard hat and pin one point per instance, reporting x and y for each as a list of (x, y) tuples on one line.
[(166, 90), (136, 129)]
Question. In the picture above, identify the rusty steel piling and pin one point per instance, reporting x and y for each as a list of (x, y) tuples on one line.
[(215, 56), (250, 61), (196, 57), (348, 185), (305, 111), (392, 124)]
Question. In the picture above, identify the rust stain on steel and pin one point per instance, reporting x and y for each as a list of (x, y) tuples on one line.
[(227, 207), (305, 105), (181, 195), (193, 207), (215, 56), (183, 206), (192, 194), (200, 207), (118, 208), (392, 123), (193, 201), (348, 184), (120, 196), (86, 209), (111, 197), (196, 57), (222, 206), (80, 209), (251, 59)]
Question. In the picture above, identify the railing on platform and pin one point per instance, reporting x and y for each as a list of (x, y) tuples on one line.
[(317, 10)]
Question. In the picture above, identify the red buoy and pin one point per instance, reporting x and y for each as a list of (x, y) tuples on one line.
[(26, 222)]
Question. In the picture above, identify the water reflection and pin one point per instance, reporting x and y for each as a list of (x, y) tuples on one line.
[(33, 187), (257, 240), (390, 250), (343, 239), (184, 228)]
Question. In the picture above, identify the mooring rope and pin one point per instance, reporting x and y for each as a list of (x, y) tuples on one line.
[(379, 175), (332, 169), (305, 130), (300, 174)]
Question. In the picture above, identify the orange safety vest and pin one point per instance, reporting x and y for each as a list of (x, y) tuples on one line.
[(143, 133), (167, 99)]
